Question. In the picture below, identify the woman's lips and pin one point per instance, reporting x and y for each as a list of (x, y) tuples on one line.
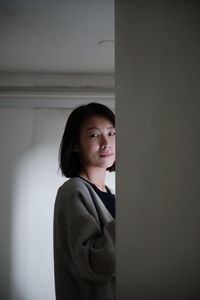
[(106, 155)]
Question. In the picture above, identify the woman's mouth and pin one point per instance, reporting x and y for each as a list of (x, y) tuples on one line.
[(106, 155)]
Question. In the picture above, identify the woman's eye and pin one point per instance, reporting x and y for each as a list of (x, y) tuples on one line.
[(94, 135), (112, 133)]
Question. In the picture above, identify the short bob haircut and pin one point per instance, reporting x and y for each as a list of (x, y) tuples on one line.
[(69, 161)]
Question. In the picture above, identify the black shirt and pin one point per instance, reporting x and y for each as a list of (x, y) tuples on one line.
[(107, 198)]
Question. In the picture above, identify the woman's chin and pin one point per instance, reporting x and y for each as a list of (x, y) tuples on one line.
[(106, 165)]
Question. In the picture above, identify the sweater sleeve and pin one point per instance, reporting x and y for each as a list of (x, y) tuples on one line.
[(85, 248)]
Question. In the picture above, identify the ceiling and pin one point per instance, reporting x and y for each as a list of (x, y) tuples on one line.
[(69, 36)]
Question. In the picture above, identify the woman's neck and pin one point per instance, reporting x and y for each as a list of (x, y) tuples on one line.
[(97, 178)]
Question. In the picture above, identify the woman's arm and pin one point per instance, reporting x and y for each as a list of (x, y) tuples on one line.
[(86, 249)]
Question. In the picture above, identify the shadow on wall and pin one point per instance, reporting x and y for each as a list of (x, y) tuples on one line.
[(5, 223), (29, 182), (11, 153)]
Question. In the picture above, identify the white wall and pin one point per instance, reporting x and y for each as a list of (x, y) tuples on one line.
[(29, 181), (158, 150)]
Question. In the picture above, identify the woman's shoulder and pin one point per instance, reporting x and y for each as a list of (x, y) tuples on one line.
[(73, 185), (74, 189)]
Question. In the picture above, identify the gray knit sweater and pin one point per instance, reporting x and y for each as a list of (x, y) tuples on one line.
[(84, 244)]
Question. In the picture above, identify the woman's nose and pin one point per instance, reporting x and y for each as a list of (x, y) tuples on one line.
[(105, 143)]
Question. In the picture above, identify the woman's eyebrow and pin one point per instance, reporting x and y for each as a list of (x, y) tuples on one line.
[(90, 128)]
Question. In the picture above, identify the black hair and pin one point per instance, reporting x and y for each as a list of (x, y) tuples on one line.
[(69, 161)]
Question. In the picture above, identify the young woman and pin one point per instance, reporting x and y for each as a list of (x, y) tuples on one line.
[(84, 214)]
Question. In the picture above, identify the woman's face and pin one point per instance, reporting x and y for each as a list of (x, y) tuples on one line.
[(96, 143)]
